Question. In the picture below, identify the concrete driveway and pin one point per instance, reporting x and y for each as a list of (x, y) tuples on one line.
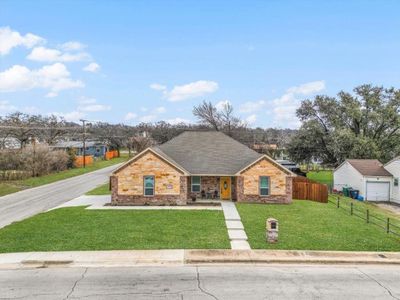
[(23, 204)]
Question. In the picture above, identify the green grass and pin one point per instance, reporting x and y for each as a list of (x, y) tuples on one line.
[(8, 187), (306, 225), (103, 189), (79, 229), (325, 177)]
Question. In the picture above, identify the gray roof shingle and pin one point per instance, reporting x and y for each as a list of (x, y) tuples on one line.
[(207, 153)]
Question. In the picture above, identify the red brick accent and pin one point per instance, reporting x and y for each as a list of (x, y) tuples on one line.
[(180, 199), (284, 199)]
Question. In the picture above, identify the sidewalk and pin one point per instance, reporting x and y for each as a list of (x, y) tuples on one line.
[(132, 258)]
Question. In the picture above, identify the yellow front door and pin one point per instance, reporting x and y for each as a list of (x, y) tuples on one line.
[(225, 187)]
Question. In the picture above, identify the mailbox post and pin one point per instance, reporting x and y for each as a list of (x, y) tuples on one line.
[(272, 230)]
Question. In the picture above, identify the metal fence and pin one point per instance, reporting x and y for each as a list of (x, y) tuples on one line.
[(385, 223)]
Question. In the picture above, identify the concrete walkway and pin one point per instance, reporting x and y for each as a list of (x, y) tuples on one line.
[(179, 257), (236, 233)]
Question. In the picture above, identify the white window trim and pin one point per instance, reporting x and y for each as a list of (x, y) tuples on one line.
[(144, 186), (269, 186), (191, 184)]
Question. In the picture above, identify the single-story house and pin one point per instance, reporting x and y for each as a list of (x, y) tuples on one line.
[(201, 164), (393, 167), (369, 176), (94, 148)]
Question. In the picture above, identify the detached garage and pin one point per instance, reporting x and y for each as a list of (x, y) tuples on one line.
[(366, 175)]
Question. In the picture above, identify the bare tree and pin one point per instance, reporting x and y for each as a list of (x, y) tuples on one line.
[(208, 114)]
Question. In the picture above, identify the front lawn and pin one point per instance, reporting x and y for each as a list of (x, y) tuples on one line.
[(306, 225), (325, 177), (8, 187), (103, 189), (78, 229)]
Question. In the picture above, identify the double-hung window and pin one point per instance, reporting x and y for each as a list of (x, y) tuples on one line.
[(148, 183), (196, 185), (264, 186)]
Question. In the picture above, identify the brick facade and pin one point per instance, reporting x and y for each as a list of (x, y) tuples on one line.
[(170, 186), (173, 187), (280, 184)]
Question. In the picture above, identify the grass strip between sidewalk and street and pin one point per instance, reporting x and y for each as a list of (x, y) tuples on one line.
[(75, 228), (306, 225), (8, 187)]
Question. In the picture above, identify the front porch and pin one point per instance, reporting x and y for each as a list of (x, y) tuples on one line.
[(211, 188)]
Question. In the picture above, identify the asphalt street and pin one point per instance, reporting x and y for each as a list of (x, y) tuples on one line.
[(21, 205), (204, 282)]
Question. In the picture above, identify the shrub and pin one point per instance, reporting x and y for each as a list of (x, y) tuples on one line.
[(38, 160)]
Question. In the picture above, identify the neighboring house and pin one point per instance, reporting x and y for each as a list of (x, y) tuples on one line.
[(366, 175), (96, 149), (200, 163), (393, 167)]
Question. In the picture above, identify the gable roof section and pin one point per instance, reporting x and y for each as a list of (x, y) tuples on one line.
[(393, 160), (208, 153), (162, 156), (275, 163), (368, 167)]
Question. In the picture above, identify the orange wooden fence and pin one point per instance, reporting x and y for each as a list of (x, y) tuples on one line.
[(111, 154), (306, 189), (79, 160)]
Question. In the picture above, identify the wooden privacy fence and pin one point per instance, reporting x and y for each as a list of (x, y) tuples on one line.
[(306, 189)]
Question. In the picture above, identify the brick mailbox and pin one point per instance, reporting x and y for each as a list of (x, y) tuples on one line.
[(272, 229)]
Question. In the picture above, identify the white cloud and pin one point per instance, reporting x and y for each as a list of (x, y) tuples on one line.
[(221, 104), (284, 108), (5, 106), (158, 87), (30, 110), (10, 39), (160, 110), (54, 77), (73, 46), (177, 120), (44, 54), (94, 107), (252, 106), (130, 116), (73, 116), (91, 105), (308, 88), (251, 119), (92, 67), (191, 90)]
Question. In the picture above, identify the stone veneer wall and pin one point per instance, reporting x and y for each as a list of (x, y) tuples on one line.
[(280, 184), (170, 184)]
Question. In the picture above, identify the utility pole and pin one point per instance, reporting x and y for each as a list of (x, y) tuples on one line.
[(84, 141)]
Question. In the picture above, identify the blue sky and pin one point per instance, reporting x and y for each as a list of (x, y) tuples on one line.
[(133, 61)]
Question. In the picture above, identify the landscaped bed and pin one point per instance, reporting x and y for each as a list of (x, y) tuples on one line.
[(78, 229), (8, 187), (306, 225)]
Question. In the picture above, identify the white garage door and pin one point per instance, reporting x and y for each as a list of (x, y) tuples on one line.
[(378, 191)]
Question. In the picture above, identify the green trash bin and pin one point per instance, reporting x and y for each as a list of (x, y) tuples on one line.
[(345, 191)]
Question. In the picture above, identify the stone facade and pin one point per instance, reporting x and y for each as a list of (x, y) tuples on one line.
[(170, 186), (247, 185), (173, 187)]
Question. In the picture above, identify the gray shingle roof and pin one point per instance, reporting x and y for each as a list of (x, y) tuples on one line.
[(207, 153), (369, 167)]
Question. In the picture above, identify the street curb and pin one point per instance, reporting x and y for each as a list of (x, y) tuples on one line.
[(289, 257), (180, 257)]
